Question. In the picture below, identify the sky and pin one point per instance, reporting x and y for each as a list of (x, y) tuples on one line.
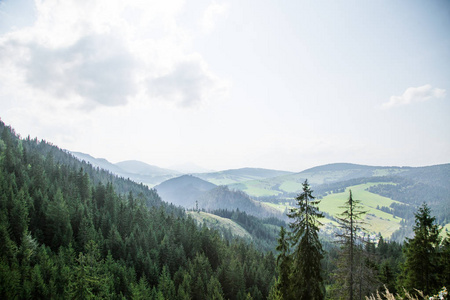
[(284, 85)]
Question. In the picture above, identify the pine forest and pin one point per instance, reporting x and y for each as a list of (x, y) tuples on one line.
[(69, 230)]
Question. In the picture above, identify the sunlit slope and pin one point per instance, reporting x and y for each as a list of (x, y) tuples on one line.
[(377, 220), (232, 176), (291, 183), (216, 222)]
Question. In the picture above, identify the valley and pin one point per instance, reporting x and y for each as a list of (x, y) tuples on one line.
[(265, 192), (64, 208)]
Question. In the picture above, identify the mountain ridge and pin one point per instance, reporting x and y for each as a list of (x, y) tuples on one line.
[(142, 168)]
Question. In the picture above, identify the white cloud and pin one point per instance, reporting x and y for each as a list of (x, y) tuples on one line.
[(97, 68), (415, 94), (212, 13), (189, 83), (91, 53)]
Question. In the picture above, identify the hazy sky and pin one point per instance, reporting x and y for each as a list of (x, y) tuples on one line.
[(226, 84)]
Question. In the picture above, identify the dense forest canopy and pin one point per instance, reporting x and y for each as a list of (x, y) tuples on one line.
[(71, 231)]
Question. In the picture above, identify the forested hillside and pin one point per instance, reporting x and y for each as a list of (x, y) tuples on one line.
[(71, 231)]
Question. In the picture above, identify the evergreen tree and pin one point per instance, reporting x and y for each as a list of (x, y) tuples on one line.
[(214, 289), (445, 260), (284, 264), (69, 231), (420, 270), (165, 284), (306, 279), (140, 291), (59, 229), (349, 261), (89, 280)]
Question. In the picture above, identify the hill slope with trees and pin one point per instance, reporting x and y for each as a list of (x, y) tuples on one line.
[(72, 231)]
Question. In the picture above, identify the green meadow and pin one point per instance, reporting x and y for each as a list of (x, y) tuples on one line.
[(377, 220)]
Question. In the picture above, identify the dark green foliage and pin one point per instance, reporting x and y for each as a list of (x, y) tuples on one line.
[(306, 280), (421, 267), (284, 265), (70, 231), (300, 254), (445, 260), (389, 256), (89, 279)]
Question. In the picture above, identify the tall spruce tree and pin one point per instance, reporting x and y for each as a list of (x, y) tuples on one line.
[(284, 264), (421, 268), (349, 236), (445, 259), (306, 280)]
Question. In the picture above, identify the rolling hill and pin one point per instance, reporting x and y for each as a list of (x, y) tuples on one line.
[(190, 191), (99, 163), (137, 171), (231, 176), (141, 168), (183, 190), (389, 194), (222, 197), (333, 173), (378, 219)]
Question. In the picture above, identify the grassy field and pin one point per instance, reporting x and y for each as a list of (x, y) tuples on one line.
[(292, 183), (289, 183), (233, 176), (377, 220), (370, 201), (256, 188), (270, 187), (213, 221)]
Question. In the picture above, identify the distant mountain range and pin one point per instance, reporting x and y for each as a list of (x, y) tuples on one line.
[(339, 172), (231, 176), (135, 170), (152, 175), (326, 174), (141, 168), (389, 194)]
